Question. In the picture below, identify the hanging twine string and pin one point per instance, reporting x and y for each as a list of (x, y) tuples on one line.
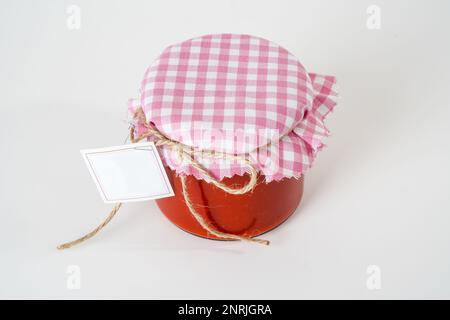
[(188, 153), (89, 235), (206, 225)]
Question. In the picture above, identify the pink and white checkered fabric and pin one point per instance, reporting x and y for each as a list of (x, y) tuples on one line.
[(237, 94)]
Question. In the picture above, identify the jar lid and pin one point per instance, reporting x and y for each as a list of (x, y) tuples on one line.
[(236, 94)]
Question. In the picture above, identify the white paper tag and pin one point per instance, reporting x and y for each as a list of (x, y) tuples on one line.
[(126, 173)]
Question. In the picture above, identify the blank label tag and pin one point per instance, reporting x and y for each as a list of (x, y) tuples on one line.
[(132, 172)]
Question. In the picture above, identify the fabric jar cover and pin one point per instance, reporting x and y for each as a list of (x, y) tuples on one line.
[(236, 94)]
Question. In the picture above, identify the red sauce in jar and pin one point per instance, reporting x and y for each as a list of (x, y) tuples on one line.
[(250, 214)]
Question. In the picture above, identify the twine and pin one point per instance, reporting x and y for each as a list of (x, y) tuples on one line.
[(206, 225), (188, 153), (89, 235)]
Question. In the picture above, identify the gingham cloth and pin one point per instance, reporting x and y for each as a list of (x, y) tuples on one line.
[(250, 95)]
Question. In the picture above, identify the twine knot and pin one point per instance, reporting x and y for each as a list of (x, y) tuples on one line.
[(188, 153)]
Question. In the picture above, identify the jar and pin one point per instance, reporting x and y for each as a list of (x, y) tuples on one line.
[(236, 87), (250, 214), (253, 110)]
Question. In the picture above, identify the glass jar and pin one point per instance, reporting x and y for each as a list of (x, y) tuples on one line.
[(250, 214)]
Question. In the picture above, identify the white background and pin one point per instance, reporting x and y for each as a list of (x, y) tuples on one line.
[(378, 195)]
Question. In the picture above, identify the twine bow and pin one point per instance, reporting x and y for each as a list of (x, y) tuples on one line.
[(188, 154)]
